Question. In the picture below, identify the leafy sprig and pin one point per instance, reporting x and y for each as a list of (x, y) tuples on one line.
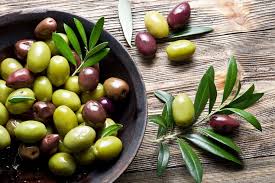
[(204, 137)]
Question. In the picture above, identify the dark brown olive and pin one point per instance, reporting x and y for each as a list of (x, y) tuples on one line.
[(179, 16), (94, 114), (49, 144), (77, 58), (21, 78), (107, 104), (22, 47), (28, 152), (43, 111), (116, 89), (11, 125), (45, 28), (223, 123), (146, 44), (88, 79)]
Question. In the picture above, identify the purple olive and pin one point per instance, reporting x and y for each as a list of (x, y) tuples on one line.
[(45, 28), (179, 16), (22, 47), (94, 114), (49, 144), (107, 104), (223, 123), (43, 111), (146, 44), (21, 78), (88, 79), (116, 89), (28, 152)]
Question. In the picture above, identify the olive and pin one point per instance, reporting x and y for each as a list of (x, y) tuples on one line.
[(146, 44), (79, 115), (22, 47), (5, 91), (8, 66), (179, 16), (107, 104), (62, 164), (42, 88), (77, 58), (107, 148), (45, 28), (38, 57), (58, 71), (88, 79), (183, 110), (109, 122), (64, 120), (30, 152), (79, 138), (85, 157), (116, 89), (5, 138), (51, 45), (4, 114), (20, 107), (93, 95), (94, 114), (156, 24), (67, 98), (63, 148), (72, 84), (11, 125), (49, 144), (22, 78), (30, 131), (223, 123), (43, 111), (180, 50)]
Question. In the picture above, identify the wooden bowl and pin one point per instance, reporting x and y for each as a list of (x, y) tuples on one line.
[(132, 113)]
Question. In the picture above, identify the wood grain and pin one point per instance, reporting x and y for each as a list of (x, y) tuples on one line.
[(244, 28)]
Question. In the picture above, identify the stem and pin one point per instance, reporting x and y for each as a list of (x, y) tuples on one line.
[(168, 137), (77, 69)]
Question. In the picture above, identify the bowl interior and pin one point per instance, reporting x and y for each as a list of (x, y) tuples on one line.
[(131, 113)]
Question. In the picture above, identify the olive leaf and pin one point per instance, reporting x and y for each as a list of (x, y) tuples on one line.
[(212, 88), (238, 90), (19, 99), (157, 119), (163, 158), (110, 130), (246, 103), (95, 50), (96, 32), (191, 160), (63, 48), (161, 131), (73, 39), (94, 59), (81, 31)]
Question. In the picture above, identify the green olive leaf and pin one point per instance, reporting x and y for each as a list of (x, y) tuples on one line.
[(94, 59), (161, 131), (238, 90), (73, 39), (231, 78), (19, 99), (157, 119), (95, 50), (110, 130), (207, 145), (222, 139), (212, 88), (191, 160), (163, 158), (81, 31), (247, 102), (63, 48), (96, 32)]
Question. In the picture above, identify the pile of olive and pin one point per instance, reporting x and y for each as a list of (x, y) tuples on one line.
[(158, 27), (52, 114)]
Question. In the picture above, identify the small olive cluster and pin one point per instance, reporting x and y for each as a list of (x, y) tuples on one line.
[(55, 115), (158, 28)]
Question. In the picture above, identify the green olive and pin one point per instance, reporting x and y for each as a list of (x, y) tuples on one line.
[(5, 138), (38, 57), (72, 84), (5, 91), (8, 66), (180, 50), (21, 107), (58, 71), (67, 98), (108, 148), (63, 148), (30, 131), (43, 89), (11, 125), (183, 110), (52, 46), (64, 120), (4, 114), (156, 24), (94, 95), (62, 164), (86, 157), (79, 115), (80, 138)]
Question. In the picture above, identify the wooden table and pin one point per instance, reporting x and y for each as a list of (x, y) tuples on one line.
[(244, 28)]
